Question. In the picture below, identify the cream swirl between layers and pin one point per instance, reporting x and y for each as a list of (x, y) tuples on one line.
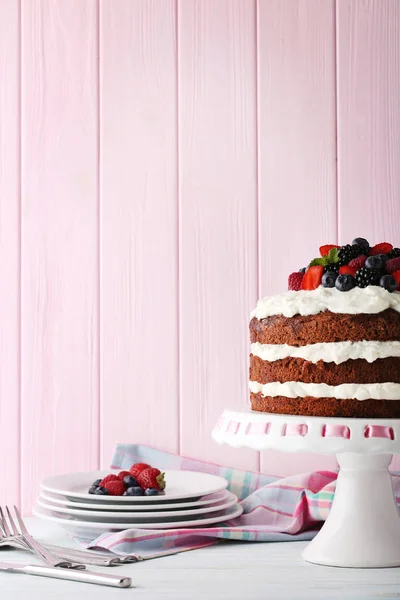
[(345, 391), (337, 352), (370, 300)]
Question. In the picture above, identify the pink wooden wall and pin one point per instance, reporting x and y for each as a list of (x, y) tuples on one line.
[(162, 164)]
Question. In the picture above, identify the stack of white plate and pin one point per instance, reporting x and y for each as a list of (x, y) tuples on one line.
[(190, 499)]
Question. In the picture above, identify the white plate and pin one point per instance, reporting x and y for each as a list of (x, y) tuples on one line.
[(145, 506), (91, 530), (180, 485), (104, 515)]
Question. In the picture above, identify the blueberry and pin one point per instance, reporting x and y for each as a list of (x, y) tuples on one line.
[(92, 489), (329, 278), (96, 483), (345, 283), (130, 481), (101, 491), (302, 270), (363, 243), (383, 257), (151, 492), (134, 491), (374, 262), (388, 282)]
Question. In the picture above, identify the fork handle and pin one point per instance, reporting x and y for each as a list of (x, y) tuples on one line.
[(72, 575)]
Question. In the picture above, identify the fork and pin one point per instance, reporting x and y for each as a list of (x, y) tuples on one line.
[(22, 539)]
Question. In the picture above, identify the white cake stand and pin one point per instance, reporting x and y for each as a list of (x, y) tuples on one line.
[(363, 526)]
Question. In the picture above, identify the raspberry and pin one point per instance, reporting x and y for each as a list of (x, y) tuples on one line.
[(115, 488), (294, 281), (123, 474), (112, 477), (357, 263), (392, 265)]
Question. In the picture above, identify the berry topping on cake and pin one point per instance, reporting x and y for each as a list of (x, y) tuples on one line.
[(396, 277), (392, 265), (347, 270), (388, 282), (312, 278), (294, 281), (358, 262), (329, 278), (366, 277), (362, 243), (344, 283), (347, 253), (382, 248), (374, 262), (394, 253), (324, 250)]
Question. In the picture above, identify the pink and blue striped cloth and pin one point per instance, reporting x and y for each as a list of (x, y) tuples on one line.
[(275, 509)]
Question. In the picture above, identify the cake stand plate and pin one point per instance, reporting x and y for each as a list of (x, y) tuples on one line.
[(363, 526)]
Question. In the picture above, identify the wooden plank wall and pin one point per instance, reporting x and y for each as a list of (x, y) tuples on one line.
[(162, 164)]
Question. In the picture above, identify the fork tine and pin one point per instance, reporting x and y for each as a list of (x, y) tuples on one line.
[(4, 522), (13, 526), (20, 521)]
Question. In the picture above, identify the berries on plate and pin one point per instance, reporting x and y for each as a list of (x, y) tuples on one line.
[(101, 491), (151, 478), (130, 481), (312, 278), (345, 283), (329, 278), (382, 248), (294, 281), (151, 492), (115, 487), (122, 474), (138, 468), (134, 491), (388, 282), (107, 478)]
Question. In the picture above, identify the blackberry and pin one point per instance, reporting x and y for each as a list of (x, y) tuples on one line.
[(332, 267), (394, 253), (366, 277), (347, 253)]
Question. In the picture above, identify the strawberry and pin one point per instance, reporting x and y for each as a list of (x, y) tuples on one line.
[(115, 487), (359, 262), (138, 468), (382, 248), (396, 275), (324, 250), (392, 265), (112, 477), (347, 270), (122, 474), (294, 281), (151, 478), (312, 277)]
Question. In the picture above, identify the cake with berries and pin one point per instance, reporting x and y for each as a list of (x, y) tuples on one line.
[(330, 346)]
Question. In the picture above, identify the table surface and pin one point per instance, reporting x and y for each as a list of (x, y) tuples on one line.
[(231, 570)]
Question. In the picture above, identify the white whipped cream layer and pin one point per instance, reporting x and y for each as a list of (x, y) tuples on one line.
[(337, 352), (369, 300), (345, 391)]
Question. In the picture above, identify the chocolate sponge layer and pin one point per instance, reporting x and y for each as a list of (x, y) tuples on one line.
[(326, 327), (381, 370), (326, 407)]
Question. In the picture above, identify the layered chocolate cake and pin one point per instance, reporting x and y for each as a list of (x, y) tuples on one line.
[(330, 346)]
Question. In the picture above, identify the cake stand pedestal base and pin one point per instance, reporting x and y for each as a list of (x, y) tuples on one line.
[(363, 525)]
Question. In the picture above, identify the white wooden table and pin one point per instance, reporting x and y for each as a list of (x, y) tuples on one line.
[(232, 571)]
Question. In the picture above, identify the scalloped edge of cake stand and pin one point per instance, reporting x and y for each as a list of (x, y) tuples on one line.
[(363, 526)]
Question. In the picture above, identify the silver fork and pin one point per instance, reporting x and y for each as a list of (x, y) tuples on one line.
[(23, 539)]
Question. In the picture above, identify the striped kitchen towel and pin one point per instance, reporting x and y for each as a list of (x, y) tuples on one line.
[(275, 509)]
